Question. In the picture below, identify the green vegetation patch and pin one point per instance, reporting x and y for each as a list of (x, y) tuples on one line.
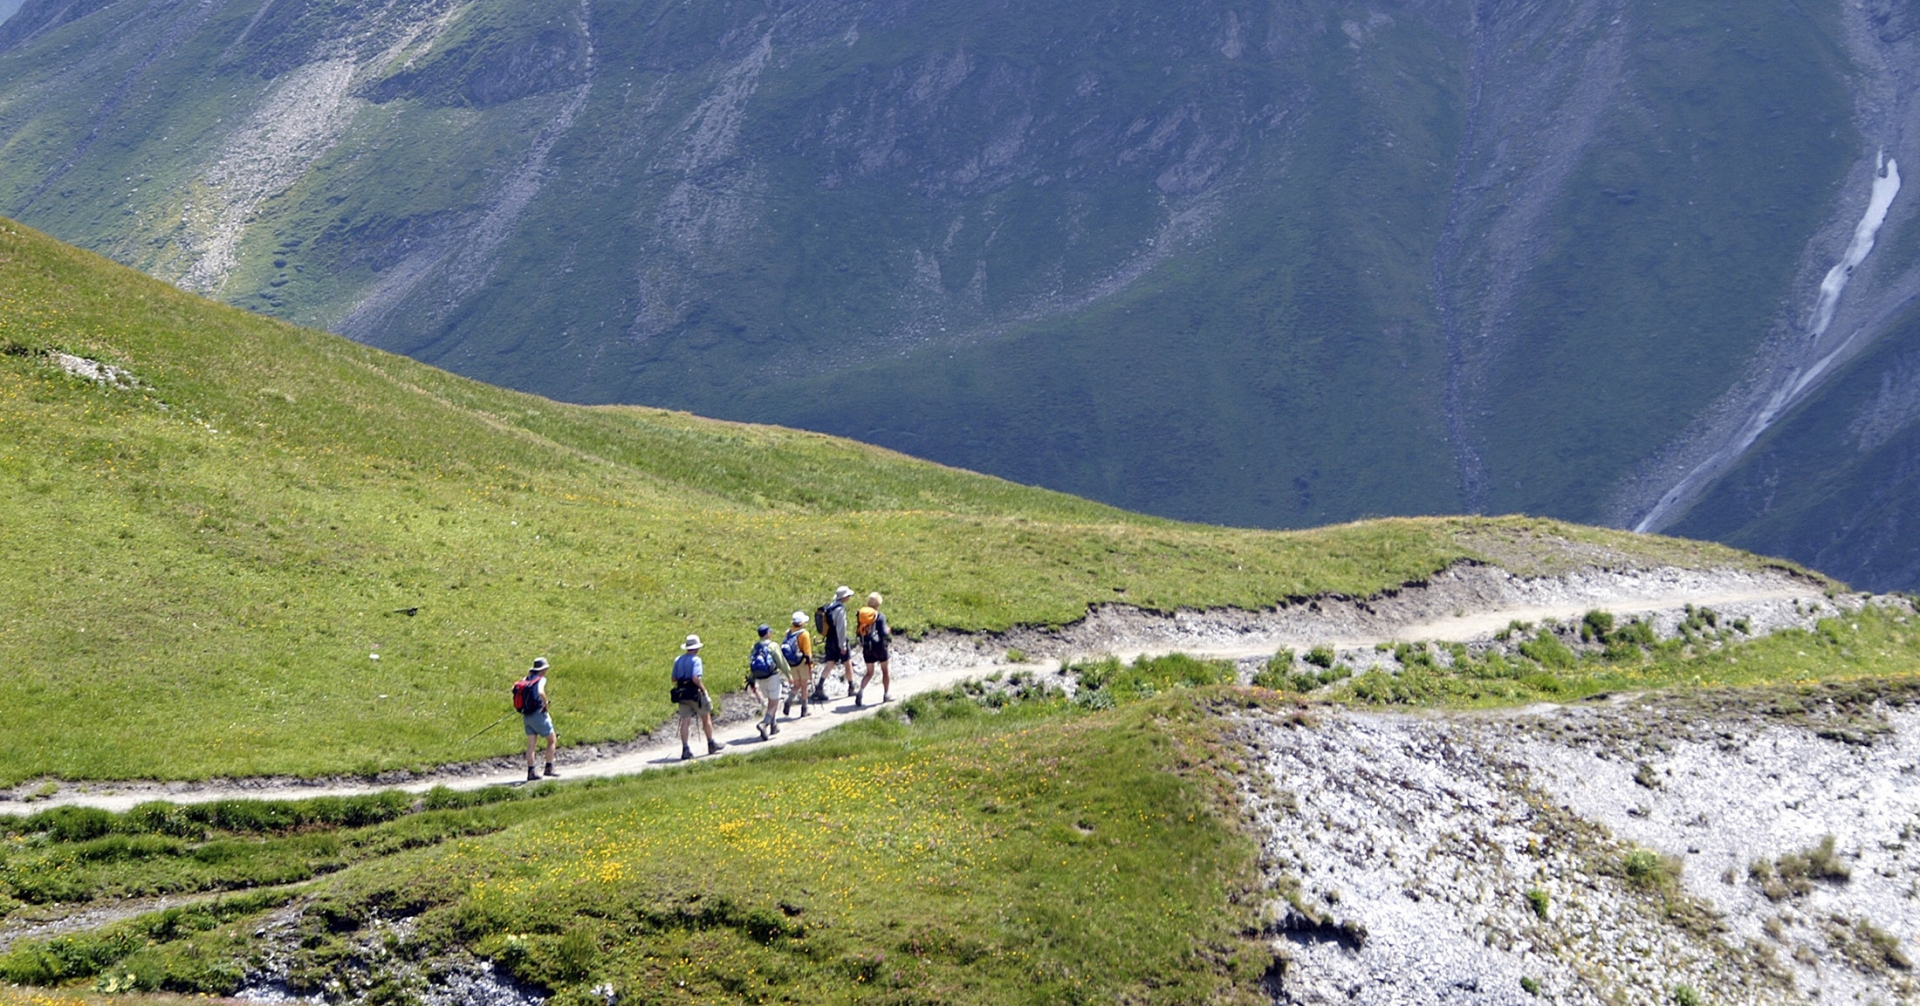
[(80, 854), (1876, 644)]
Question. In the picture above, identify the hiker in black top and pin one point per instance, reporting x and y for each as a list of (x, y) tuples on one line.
[(839, 647), (871, 628)]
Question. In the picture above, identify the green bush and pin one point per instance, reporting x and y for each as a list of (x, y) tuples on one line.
[(1546, 649)]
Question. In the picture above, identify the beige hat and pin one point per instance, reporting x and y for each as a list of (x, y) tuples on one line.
[(799, 618), (843, 593), (693, 643)]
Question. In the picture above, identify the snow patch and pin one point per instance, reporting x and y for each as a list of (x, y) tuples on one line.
[(1886, 185)]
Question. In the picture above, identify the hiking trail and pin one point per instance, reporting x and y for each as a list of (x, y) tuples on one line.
[(1462, 604)]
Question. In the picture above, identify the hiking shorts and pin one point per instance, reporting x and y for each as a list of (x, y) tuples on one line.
[(692, 708), (837, 651), (539, 724), (769, 688), (874, 653)]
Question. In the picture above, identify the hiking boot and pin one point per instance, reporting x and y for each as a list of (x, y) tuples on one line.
[(685, 752), (803, 710), (762, 727), (532, 776), (713, 748), (858, 702), (786, 708), (819, 695), (550, 772), (773, 728)]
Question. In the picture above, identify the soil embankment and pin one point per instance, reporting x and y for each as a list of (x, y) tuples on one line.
[(1618, 852)]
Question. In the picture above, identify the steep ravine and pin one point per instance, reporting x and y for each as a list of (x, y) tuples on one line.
[(1850, 288)]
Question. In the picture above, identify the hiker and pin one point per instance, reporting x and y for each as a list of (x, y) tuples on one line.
[(538, 720), (767, 673), (690, 691), (831, 620), (797, 650), (870, 626)]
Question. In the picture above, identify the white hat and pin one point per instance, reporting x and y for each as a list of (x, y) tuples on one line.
[(799, 618), (843, 593), (693, 643)]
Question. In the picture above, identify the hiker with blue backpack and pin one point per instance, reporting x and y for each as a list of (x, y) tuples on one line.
[(767, 673), (530, 700)]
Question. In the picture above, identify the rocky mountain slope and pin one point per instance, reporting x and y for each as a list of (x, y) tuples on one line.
[(1609, 260)]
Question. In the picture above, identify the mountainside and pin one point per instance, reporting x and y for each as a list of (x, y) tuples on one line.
[(1261, 265), (264, 549)]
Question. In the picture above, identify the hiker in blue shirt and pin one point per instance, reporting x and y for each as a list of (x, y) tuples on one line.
[(691, 693)]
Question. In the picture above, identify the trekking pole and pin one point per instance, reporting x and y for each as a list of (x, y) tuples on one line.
[(486, 728)]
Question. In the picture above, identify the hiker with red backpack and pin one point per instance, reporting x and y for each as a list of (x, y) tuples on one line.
[(831, 620), (797, 650), (530, 699)]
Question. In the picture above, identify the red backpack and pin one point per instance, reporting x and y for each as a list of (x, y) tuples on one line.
[(526, 696)]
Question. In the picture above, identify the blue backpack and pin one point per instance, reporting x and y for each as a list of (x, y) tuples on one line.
[(761, 662), (790, 649)]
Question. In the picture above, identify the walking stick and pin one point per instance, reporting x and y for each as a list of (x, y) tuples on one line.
[(486, 728)]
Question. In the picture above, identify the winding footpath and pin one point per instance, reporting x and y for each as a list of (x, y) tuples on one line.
[(941, 664)]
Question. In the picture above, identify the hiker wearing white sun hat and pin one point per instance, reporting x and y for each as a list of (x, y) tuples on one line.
[(797, 648), (832, 622), (690, 692)]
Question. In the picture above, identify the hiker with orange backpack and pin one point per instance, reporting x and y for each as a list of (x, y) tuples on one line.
[(530, 699), (870, 627)]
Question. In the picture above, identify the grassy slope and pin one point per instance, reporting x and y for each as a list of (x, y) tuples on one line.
[(196, 588), (968, 858)]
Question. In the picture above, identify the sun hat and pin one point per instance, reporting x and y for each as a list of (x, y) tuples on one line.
[(539, 663), (764, 629), (799, 618), (692, 643), (843, 593)]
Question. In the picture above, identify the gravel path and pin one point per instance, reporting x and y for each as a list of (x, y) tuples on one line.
[(1462, 604)]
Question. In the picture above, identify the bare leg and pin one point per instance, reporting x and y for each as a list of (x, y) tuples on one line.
[(886, 681), (533, 744)]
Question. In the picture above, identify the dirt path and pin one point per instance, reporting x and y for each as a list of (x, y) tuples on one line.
[(1460, 605)]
